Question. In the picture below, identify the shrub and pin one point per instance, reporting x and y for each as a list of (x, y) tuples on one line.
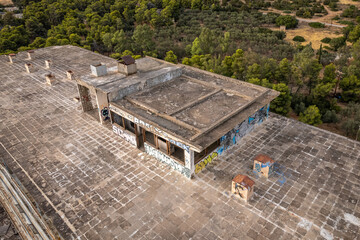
[(287, 20), (299, 39), (316, 25), (311, 116), (330, 116), (326, 40)]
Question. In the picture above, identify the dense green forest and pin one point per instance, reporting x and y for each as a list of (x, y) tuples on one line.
[(227, 37)]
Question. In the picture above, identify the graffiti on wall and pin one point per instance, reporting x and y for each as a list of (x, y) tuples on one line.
[(162, 157), (105, 113), (243, 128), (124, 134), (234, 136), (151, 128), (200, 166)]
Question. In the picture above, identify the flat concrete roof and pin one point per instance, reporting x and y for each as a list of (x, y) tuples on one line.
[(198, 107), (92, 184), (147, 68)]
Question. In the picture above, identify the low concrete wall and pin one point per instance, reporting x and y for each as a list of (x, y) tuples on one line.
[(234, 136)]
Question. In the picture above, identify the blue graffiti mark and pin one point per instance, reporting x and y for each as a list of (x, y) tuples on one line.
[(256, 174), (220, 150), (234, 139), (257, 167), (251, 119), (271, 169), (268, 164), (279, 170), (267, 111), (282, 180), (105, 113)]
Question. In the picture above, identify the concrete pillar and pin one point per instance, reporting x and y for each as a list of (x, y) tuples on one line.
[(50, 79), (48, 63), (28, 67), (103, 106), (189, 161), (85, 98)]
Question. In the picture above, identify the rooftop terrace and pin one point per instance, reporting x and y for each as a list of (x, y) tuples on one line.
[(93, 186)]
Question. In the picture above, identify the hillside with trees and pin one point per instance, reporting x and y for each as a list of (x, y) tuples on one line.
[(233, 38)]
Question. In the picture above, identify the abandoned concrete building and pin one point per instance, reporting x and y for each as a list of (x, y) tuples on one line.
[(184, 117), (80, 180)]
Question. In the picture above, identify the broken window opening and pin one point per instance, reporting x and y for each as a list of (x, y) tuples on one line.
[(116, 118), (129, 125), (149, 138)]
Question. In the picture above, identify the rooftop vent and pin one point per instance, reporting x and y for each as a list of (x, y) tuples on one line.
[(127, 65), (50, 79), (30, 52), (11, 57), (70, 75), (98, 69), (48, 63), (28, 67)]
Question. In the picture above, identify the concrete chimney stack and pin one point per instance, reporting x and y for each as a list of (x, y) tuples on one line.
[(127, 65), (28, 67), (50, 79), (98, 69), (48, 63), (30, 52), (11, 57)]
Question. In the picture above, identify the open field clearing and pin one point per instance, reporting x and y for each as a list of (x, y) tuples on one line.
[(350, 2), (6, 2), (310, 34)]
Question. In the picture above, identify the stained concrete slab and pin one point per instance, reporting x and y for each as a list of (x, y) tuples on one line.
[(91, 184)]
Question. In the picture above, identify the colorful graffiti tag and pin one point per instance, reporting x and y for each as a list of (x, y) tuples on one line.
[(234, 136), (206, 161), (105, 113), (127, 136), (162, 157)]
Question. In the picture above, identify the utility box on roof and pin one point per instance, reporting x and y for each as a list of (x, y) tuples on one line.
[(264, 165), (242, 186)]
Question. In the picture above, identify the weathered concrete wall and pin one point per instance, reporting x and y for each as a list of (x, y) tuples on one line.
[(160, 76), (85, 98), (162, 157), (165, 75), (128, 136), (234, 136), (103, 106)]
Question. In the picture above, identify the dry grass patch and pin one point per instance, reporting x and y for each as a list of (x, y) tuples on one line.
[(350, 2), (313, 35), (6, 2)]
